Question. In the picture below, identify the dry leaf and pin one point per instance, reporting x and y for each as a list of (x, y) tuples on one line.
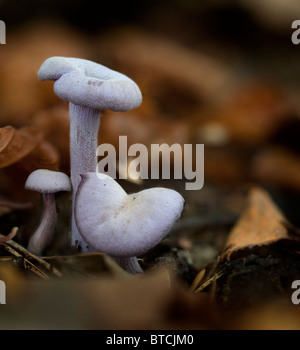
[(15, 144), (261, 223), (21, 152), (26, 147), (260, 259), (44, 156)]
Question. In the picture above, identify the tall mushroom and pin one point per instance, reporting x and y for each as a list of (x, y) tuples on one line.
[(89, 88), (47, 182), (124, 225)]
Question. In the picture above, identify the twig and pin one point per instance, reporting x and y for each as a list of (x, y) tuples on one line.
[(13, 247), (11, 235), (25, 262), (40, 260), (210, 280)]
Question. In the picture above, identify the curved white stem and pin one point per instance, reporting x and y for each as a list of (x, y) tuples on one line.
[(84, 127), (130, 265), (43, 234)]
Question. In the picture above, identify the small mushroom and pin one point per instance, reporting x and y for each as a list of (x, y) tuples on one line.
[(123, 225), (89, 88), (47, 182)]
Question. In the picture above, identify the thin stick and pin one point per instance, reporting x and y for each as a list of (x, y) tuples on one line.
[(210, 280), (26, 263), (10, 236), (40, 260), (12, 244)]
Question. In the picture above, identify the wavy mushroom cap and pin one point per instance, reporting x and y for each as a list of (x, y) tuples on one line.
[(89, 84), (48, 181), (123, 225)]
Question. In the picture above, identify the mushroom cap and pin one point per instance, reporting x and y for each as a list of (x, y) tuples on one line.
[(123, 225), (48, 181), (89, 84)]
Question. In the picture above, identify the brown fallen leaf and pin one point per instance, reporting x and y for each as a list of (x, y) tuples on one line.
[(15, 144), (22, 151), (261, 223), (44, 156), (260, 258)]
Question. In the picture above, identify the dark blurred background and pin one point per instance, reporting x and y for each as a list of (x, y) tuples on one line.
[(247, 41), (252, 32)]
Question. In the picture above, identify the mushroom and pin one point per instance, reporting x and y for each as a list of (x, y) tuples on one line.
[(47, 182), (89, 88), (123, 225)]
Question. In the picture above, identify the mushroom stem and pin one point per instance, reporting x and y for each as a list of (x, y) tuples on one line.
[(43, 233), (84, 127), (130, 265)]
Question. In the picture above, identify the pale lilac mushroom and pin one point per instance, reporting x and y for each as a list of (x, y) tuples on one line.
[(123, 225), (89, 88), (47, 182)]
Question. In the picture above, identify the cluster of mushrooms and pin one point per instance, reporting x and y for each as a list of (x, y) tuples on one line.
[(104, 217)]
